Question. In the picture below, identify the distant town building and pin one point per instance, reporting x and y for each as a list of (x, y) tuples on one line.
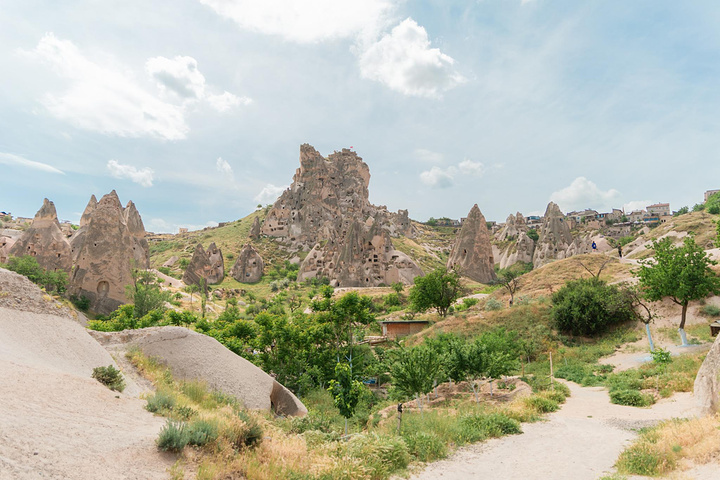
[(636, 216), (658, 209), (182, 230), (710, 193)]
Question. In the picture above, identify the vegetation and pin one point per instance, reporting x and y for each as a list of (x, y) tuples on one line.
[(438, 289), (110, 377), (146, 293), (28, 266)]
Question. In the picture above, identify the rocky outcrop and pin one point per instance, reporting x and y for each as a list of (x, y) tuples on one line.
[(554, 237), (707, 382), (514, 225), (45, 241), (170, 262), (471, 253), (255, 229), (208, 265), (512, 244), (249, 265), (326, 210), (105, 249)]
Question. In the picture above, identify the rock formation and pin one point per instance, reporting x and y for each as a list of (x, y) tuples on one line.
[(707, 382), (109, 243), (326, 209), (554, 237), (514, 225), (45, 241), (205, 264), (512, 244), (170, 262), (471, 253), (249, 265), (255, 229)]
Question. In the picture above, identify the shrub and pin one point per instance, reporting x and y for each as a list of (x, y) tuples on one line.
[(381, 455), (82, 302), (711, 310), (541, 404), (425, 446), (201, 432), (243, 431), (173, 437), (589, 306), (479, 426), (470, 301), (493, 304), (110, 377), (632, 398), (160, 402)]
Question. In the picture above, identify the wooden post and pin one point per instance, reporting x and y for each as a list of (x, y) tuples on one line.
[(551, 372)]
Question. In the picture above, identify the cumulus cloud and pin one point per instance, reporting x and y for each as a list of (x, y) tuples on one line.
[(404, 61), (178, 76), (10, 159), (159, 225), (143, 176), (636, 205), (428, 156), (306, 21), (104, 99), (438, 177), (226, 101), (582, 193), (269, 194), (224, 167)]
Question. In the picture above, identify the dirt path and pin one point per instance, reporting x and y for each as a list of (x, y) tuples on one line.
[(581, 441)]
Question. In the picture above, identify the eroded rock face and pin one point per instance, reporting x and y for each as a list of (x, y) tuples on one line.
[(255, 229), (105, 250), (471, 253), (555, 237), (707, 382), (326, 209), (512, 243), (205, 264), (249, 265), (45, 241)]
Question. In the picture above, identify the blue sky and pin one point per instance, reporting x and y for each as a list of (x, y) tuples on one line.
[(195, 109)]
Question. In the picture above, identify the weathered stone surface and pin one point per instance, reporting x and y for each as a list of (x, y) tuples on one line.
[(255, 229), (707, 381), (171, 261), (92, 203), (555, 237), (326, 209), (45, 241), (514, 225), (104, 250), (512, 243), (471, 253), (249, 265), (205, 264)]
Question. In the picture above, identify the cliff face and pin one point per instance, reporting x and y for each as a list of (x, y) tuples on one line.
[(249, 265), (326, 210), (205, 264), (45, 241), (512, 242), (472, 253)]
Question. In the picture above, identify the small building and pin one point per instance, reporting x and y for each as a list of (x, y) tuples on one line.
[(709, 194), (402, 328), (636, 215), (658, 209), (182, 230)]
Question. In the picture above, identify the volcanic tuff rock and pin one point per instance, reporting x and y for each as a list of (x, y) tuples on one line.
[(514, 225), (45, 241), (205, 264), (707, 383), (109, 243), (255, 229), (555, 237), (512, 244), (249, 265), (471, 253), (326, 209)]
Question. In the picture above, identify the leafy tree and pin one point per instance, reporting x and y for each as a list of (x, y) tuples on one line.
[(346, 391), (713, 204), (438, 289), (681, 273), (698, 207), (624, 219), (398, 287), (453, 349), (508, 277), (415, 370), (28, 266), (492, 355), (533, 234), (681, 211), (588, 306), (146, 293)]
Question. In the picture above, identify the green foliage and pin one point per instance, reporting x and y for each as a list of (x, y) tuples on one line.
[(82, 302), (479, 426), (426, 446), (661, 357), (381, 455), (146, 293), (183, 263), (710, 310), (28, 266), (415, 369), (632, 398), (398, 287), (110, 377), (173, 437), (533, 234), (541, 404), (345, 390), (589, 306), (681, 211), (164, 270), (250, 435), (438, 289), (493, 304), (712, 205), (160, 402), (201, 432)]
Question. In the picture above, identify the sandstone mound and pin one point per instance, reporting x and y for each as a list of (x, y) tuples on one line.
[(471, 253), (193, 356), (45, 241), (255, 229), (249, 265), (205, 264), (707, 382)]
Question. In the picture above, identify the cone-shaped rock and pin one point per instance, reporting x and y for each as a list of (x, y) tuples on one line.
[(255, 229), (88, 211), (249, 265), (472, 252), (141, 249), (554, 237), (45, 241), (205, 264)]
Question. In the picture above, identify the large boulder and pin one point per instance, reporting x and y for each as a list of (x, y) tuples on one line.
[(471, 253), (45, 241), (249, 265), (192, 356), (205, 264), (707, 381)]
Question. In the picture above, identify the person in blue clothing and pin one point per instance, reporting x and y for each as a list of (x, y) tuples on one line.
[(594, 246)]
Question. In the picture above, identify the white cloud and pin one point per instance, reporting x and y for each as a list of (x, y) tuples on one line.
[(582, 193), (104, 99), (159, 225), (269, 194), (178, 76), (10, 159), (443, 178), (428, 156), (404, 61), (142, 176), (306, 21), (226, 101), (636, 205), (224, 167)]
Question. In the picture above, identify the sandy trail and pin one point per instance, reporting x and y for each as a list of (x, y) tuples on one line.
[(581, 441)]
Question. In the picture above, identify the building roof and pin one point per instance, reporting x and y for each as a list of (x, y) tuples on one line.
[(659, 205), (403, 321)]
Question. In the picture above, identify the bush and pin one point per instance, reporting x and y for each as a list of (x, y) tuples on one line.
[(711, 310), (243, 432), (493, 304), (201, 432), (480, 426), (381, 455), (160, 402), (82, 302), (470, 301), (589, 306), (110, 377), (28, 266), (425, 446), (541, 404), (173, 437), (632, 398)]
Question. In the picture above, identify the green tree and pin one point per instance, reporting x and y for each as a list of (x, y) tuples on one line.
[(533, 234), (508, 278), (681, 273), (346, 391), (146, 293), (681, 211), (415, 370), (438, 289), (28, 266)]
